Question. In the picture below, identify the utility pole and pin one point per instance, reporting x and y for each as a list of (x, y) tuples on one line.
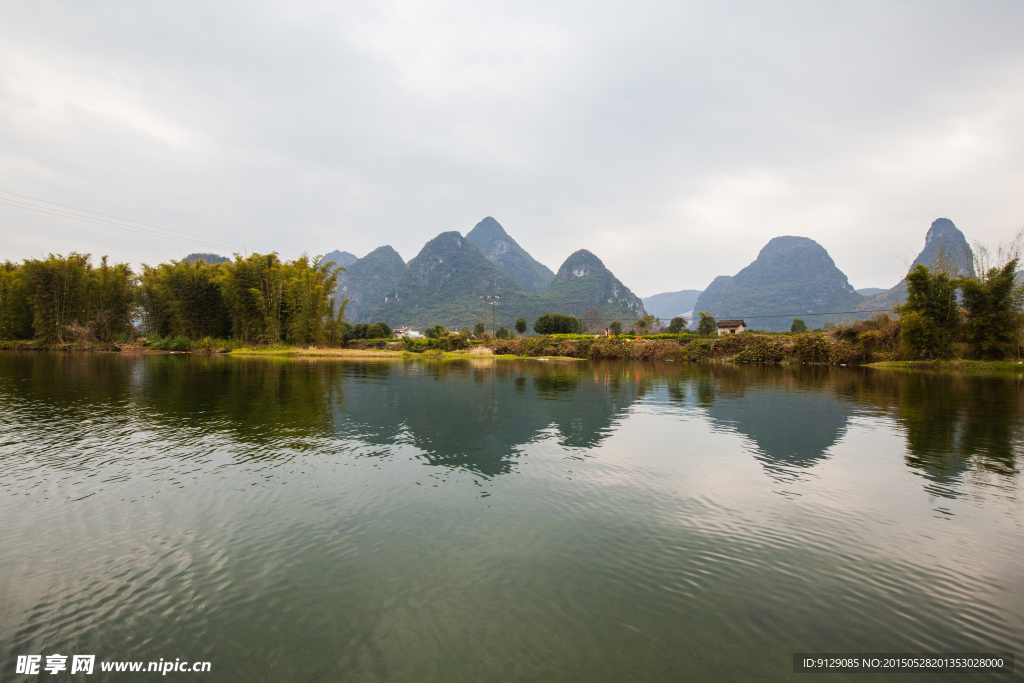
[(493, 300), (494, 317)]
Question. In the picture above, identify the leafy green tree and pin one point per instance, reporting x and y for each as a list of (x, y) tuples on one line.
[(798, 325), (642, 325), (184, 299), (615, 327), (707, 325), (435, 332), (993, 303), (336, 324), (557, 323), (479, 329), (345, 331), (60, 296), (678, 325), (521, 326), (378, 331), (308, 309), (930, 317), (15, 308), (502, 333), (58, 293), (113, 293), (254, 288), (154, 301)]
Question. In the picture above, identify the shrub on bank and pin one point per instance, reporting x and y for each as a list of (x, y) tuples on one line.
[(170, 344), (812, 348), (583, 346), (765, 350), (445, 342), (183, 344), (855, 344)]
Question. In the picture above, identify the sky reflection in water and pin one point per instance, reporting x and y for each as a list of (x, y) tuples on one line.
[(495, 520)]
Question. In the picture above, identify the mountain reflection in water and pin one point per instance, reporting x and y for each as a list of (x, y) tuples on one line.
[(476, 415), (503, 520)]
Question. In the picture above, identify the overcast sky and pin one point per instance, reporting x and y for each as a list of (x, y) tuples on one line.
[(671, 139)]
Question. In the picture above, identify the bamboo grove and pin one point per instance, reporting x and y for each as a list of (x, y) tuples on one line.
[(260, 299), (981, 315), (256, 299)]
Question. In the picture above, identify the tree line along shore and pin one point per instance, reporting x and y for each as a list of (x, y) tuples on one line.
[(261, 301)]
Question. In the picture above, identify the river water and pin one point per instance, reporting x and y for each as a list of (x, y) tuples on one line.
[(502, 520)]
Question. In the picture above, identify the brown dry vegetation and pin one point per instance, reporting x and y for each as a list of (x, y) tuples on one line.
[(862, 342)]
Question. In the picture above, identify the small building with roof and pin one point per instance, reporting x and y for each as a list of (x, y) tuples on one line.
[(407, 332), (730, 327)]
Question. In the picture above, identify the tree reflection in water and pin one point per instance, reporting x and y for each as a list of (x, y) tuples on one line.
[(479, 415)]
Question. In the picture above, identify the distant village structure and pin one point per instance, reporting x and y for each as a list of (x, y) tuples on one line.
[(731, 327)]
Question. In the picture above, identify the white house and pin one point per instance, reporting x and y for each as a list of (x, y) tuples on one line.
[(730, 327)]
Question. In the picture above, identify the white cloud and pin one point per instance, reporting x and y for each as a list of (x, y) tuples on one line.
[(672, 140)]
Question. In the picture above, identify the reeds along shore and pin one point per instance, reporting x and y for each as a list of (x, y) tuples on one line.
[(741, 348), (868, 341), (262, 302)]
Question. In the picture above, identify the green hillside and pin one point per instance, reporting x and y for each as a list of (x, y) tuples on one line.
[(367, 280), (443, 285), (791, 277), (584, 283), (510, 258)]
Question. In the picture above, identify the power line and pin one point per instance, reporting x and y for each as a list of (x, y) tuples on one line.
[(206, 245), (757, 316), (133, 226), (754, 316), (86, 219), (107, 215)]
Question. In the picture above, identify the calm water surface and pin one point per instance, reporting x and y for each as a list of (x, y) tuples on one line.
[(324, 521)]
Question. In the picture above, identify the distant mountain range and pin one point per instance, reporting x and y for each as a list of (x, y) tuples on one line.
[(794, 277), (671, 304), (341, 258), (366, 281), (444, 284), (944, 247), (212, 259)]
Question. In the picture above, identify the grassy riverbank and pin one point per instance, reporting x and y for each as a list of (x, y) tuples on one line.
[(876, 348), (479, 352), (741, 348), (744, 348), (985, 367)]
